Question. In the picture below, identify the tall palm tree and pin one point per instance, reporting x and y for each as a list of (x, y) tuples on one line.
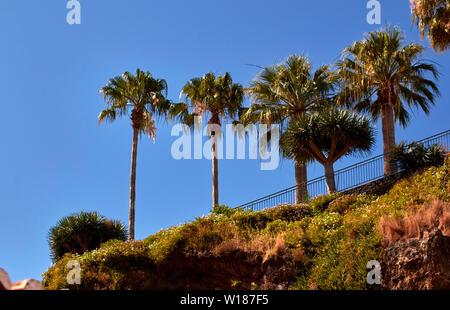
[(327, 135), (287, 90), (218, 97), (145, 97), (382, 76)]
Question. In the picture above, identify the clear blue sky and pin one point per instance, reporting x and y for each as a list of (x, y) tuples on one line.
[(56, 160)]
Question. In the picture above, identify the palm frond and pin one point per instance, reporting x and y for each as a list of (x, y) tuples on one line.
[(140, 94), (210, 95), (380, 70)]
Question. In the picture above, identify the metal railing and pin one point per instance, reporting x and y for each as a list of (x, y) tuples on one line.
[(347, 178)]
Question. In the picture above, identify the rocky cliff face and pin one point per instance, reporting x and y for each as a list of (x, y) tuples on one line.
[(5, 282), (29, 284), (418, 263)]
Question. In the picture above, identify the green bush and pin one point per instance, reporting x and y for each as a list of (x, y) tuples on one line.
[(363, 200), (289, 213), (342, 204), (168, 241), (251, 219), (122, 266), (225, 210), (110, 243), (276, 227), (321, 203), (199, 236), (340, 264), (414, 157), (81, 232)]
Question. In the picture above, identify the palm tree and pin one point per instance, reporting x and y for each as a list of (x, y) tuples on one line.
[(433, 17), (382, 76), (327, 135), (145, 96), (217, 97), (82, 232), (287, 90)]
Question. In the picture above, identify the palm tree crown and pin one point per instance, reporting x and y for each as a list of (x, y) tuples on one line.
[(327, 135), (432, 17), (288, 89), (217, 96), (140, 93), (383, 77)]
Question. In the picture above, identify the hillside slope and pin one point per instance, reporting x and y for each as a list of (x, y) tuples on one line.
[(325, 244)]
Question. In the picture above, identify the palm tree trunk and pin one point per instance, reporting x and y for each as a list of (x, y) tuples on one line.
[(329, 176), (388, 128), (133, 184), (215, 171), (301, 178)]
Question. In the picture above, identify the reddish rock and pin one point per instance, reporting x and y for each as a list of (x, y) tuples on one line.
[(27, 285), (5, 282), (418, 263)]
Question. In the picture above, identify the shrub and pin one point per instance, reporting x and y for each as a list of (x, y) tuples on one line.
[(166, 242), (414, 157), (327, 221), (225, 210), (434, 215), (110, 243), (81, 232), (276, 227), (311, 233), (122, 266), (289, 213), (341, 262), (342, 204), (416, 190), (321, 203), (251, 219), (312, 239), (363, 200), (204, 234)]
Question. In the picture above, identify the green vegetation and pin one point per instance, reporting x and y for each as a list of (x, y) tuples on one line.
[(325, 243), (328, 135), (414, 157), (82, 232), (342, 204), (225, 210), (321, 203)]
